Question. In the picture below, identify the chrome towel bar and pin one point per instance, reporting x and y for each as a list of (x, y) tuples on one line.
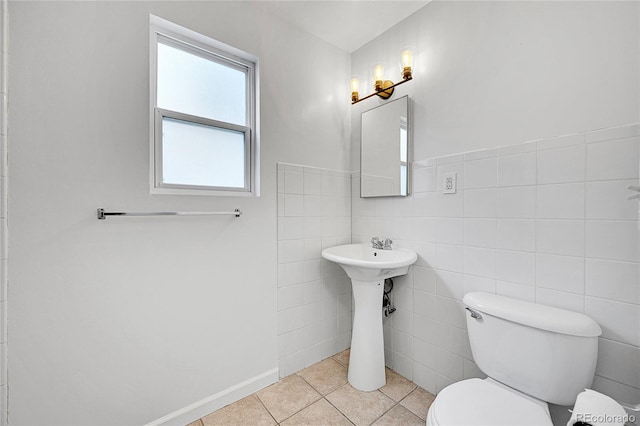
[(102, 215)]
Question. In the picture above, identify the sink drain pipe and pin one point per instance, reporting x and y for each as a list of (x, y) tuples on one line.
[(387, 305)]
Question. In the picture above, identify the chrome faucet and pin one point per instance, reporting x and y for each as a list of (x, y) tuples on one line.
[(377, 243)]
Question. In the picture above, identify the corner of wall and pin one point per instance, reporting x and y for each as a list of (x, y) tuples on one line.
[(3, 209)]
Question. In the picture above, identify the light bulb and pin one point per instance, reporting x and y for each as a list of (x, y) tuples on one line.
[(355, 84), (406, 59), (355, 88), (378, 72)]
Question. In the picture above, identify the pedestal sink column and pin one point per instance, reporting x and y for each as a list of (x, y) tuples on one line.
[(368, 267), (366, 363)]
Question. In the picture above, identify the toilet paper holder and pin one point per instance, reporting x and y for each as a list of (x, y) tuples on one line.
[(616, 412)]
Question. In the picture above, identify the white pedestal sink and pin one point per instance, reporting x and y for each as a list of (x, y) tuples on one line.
[(368, 268)]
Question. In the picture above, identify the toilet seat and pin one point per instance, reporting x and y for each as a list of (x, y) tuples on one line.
[(476, 402)]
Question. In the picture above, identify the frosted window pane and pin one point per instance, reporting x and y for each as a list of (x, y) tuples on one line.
[(195, 154), (194, 85)]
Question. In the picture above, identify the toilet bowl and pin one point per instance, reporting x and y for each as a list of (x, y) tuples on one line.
[(486, 402), (532, 354)]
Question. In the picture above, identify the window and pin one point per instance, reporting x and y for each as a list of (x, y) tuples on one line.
[(203, 114)]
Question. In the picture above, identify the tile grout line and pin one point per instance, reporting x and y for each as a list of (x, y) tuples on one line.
[(330, 403), (337, 409), (306, 406), (322, 396), (265, 407), (396, 403), (383, 414), (405, 397)]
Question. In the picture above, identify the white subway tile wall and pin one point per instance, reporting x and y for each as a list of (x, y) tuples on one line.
[(546, 221), (314, 295)]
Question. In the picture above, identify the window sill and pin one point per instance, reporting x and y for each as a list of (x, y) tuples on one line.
[(173, 191)]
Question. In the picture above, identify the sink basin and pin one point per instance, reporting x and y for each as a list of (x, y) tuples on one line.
[(368, 268), (363, 263)]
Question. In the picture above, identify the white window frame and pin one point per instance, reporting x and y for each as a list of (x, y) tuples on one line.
[(193, 42)]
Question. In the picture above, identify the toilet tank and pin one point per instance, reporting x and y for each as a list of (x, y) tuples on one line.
[(544, 352)]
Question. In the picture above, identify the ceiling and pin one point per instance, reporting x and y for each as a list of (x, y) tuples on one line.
[(347, 24)]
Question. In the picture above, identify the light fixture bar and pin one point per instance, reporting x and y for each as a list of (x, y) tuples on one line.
[(383, 90)]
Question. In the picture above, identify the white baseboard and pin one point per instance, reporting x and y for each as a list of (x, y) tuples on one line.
[(216, 401)]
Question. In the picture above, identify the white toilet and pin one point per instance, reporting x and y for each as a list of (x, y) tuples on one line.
[(532, 354)]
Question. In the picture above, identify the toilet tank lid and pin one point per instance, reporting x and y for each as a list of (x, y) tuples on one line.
[(533, 314)]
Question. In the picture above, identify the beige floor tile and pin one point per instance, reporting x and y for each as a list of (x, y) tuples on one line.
[(196, 423), (343, 357), (399, 416), (397, 387), (362, 408), (325, 376), (247, 411), (418, 402), (319, 413), (288, 396)]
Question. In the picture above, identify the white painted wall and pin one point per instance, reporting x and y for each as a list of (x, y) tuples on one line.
[(494, 73), (130, 319)]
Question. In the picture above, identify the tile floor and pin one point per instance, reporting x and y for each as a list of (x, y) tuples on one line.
[(320, 395)]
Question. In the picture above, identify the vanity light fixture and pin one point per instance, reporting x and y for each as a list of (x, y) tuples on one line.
[(384, 88)]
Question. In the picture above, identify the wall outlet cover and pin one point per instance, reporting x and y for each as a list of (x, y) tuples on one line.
[(449, 183)]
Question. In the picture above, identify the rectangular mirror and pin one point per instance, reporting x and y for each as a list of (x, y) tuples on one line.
[(384, 150)]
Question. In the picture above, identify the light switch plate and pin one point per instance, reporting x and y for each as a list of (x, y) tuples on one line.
[(449, 183)]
